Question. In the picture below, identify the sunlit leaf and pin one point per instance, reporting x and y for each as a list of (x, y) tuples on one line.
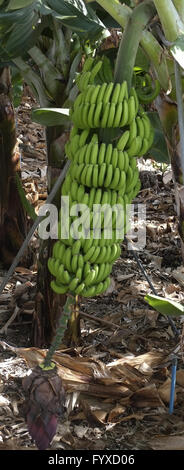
[(51, 116), (177, 50), (164, 306), (84, 19), (20, 27), (16, 4)]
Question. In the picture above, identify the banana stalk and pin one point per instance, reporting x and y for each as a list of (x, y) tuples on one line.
[(179, 193), (127, 52), (56, 342), (179, 5), (157, 58), (172, 24), (121, 13)]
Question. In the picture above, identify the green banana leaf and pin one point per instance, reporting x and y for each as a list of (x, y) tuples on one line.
[(164, 306), (51, 116), (81, 17), (16, 4), (21, 28), (177, 50), (158, 151), (17, 87)]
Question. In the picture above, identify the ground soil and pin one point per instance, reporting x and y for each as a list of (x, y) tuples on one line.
[(118, 379)]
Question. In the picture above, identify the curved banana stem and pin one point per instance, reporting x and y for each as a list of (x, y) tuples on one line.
[(151, 46), (70, 301), (179, 95), (179, 5), (129, 44), (170, 19), (156, 55)]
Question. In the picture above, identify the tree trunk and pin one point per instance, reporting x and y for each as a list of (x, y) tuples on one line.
[(12, 217), (49, 306), (168, 114)]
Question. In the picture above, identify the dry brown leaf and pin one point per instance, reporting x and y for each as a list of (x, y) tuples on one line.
[(180, 377), (178, 274), (93, 413), (167, 443), (22, 270), (165, 391), (81, 431), (130, 376), (14, 444), (114, 391), (152, 358), (167, 177), (124, 277), (126, 295), (115, 413), (78, 417), (100, 416), (145, 369), (87, 379), (4, 401), (147, 397), (152, 231), (136, 416)]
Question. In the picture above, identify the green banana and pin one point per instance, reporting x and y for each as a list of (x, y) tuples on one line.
[(114, 157), (90, 118), (108, 154), (115, 94), (58, 288), (73, 284), (118, 114), (111, 117), (105, 115), (121, 144), (83, 137), (108, 177), (121, 160), (101, 174), (125, 114), (97, 114), (131, 109), (108, 93), (123, 92), (94, 95)]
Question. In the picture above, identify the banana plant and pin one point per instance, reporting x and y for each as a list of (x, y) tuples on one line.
[(44, 41), (55, 35), (140, 17)]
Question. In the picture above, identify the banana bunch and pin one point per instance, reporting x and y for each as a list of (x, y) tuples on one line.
[(101, 172), (95, 71), (105, 106)]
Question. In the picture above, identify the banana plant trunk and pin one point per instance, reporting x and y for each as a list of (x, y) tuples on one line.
[(49, 306), (168, 113), (12, 216)]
